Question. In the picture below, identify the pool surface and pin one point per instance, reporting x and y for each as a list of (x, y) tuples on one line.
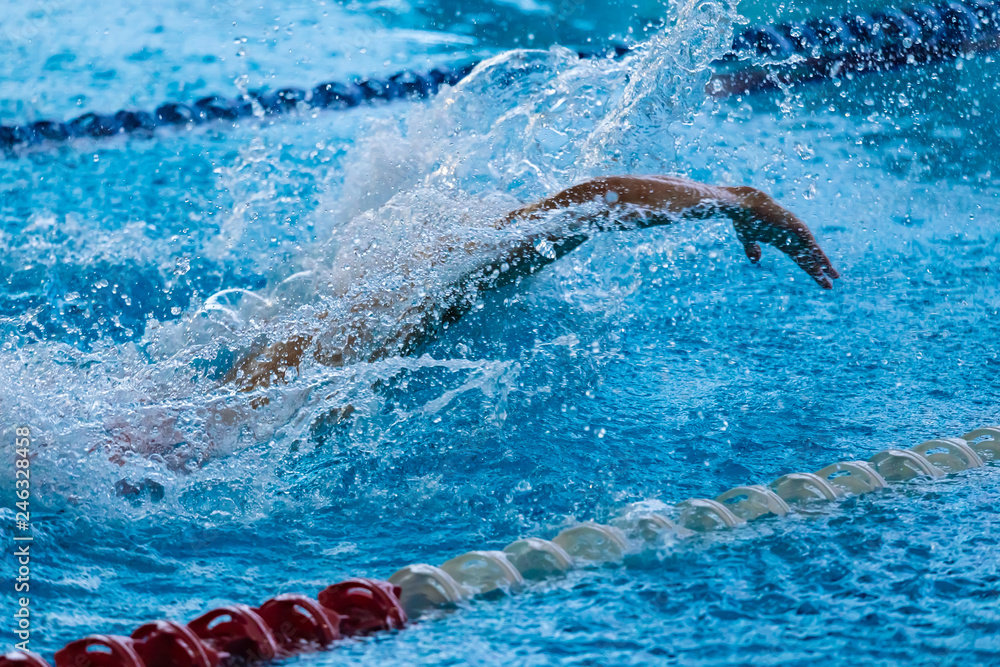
[(648, 365)]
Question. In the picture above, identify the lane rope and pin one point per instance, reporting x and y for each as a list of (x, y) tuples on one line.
[(762, 58), (288, 625), (856, 43)]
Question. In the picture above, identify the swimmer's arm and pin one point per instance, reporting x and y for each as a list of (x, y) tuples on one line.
[(622, 202), (629, 202), (616, 203)]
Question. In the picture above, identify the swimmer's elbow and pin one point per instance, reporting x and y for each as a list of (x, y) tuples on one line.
[(748, 196)]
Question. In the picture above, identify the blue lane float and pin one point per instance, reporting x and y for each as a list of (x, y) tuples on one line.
[(762, 58)]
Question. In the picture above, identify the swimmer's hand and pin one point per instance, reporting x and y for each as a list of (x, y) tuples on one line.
[(262, 368), (758, 218)]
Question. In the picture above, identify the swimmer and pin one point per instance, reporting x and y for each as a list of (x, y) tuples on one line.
[(598, 205)]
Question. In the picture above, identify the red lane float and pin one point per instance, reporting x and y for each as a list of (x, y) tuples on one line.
[(169, 644), (19, 659), (367, 605), (298, 622), (237, 631), (239, 634), (99, 651)]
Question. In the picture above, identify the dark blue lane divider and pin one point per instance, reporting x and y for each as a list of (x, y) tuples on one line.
[(768, 57), (404, 85), (762, 58)]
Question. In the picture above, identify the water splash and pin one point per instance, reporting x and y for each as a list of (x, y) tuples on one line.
[(666, 87)]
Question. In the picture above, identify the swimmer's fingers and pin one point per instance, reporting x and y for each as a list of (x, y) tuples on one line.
[(798, 243), (752, 249), (811, 264)]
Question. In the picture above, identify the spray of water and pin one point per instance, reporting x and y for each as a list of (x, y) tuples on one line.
[(411, 215)]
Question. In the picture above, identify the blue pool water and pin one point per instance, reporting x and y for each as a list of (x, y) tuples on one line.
[(655, 365)]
